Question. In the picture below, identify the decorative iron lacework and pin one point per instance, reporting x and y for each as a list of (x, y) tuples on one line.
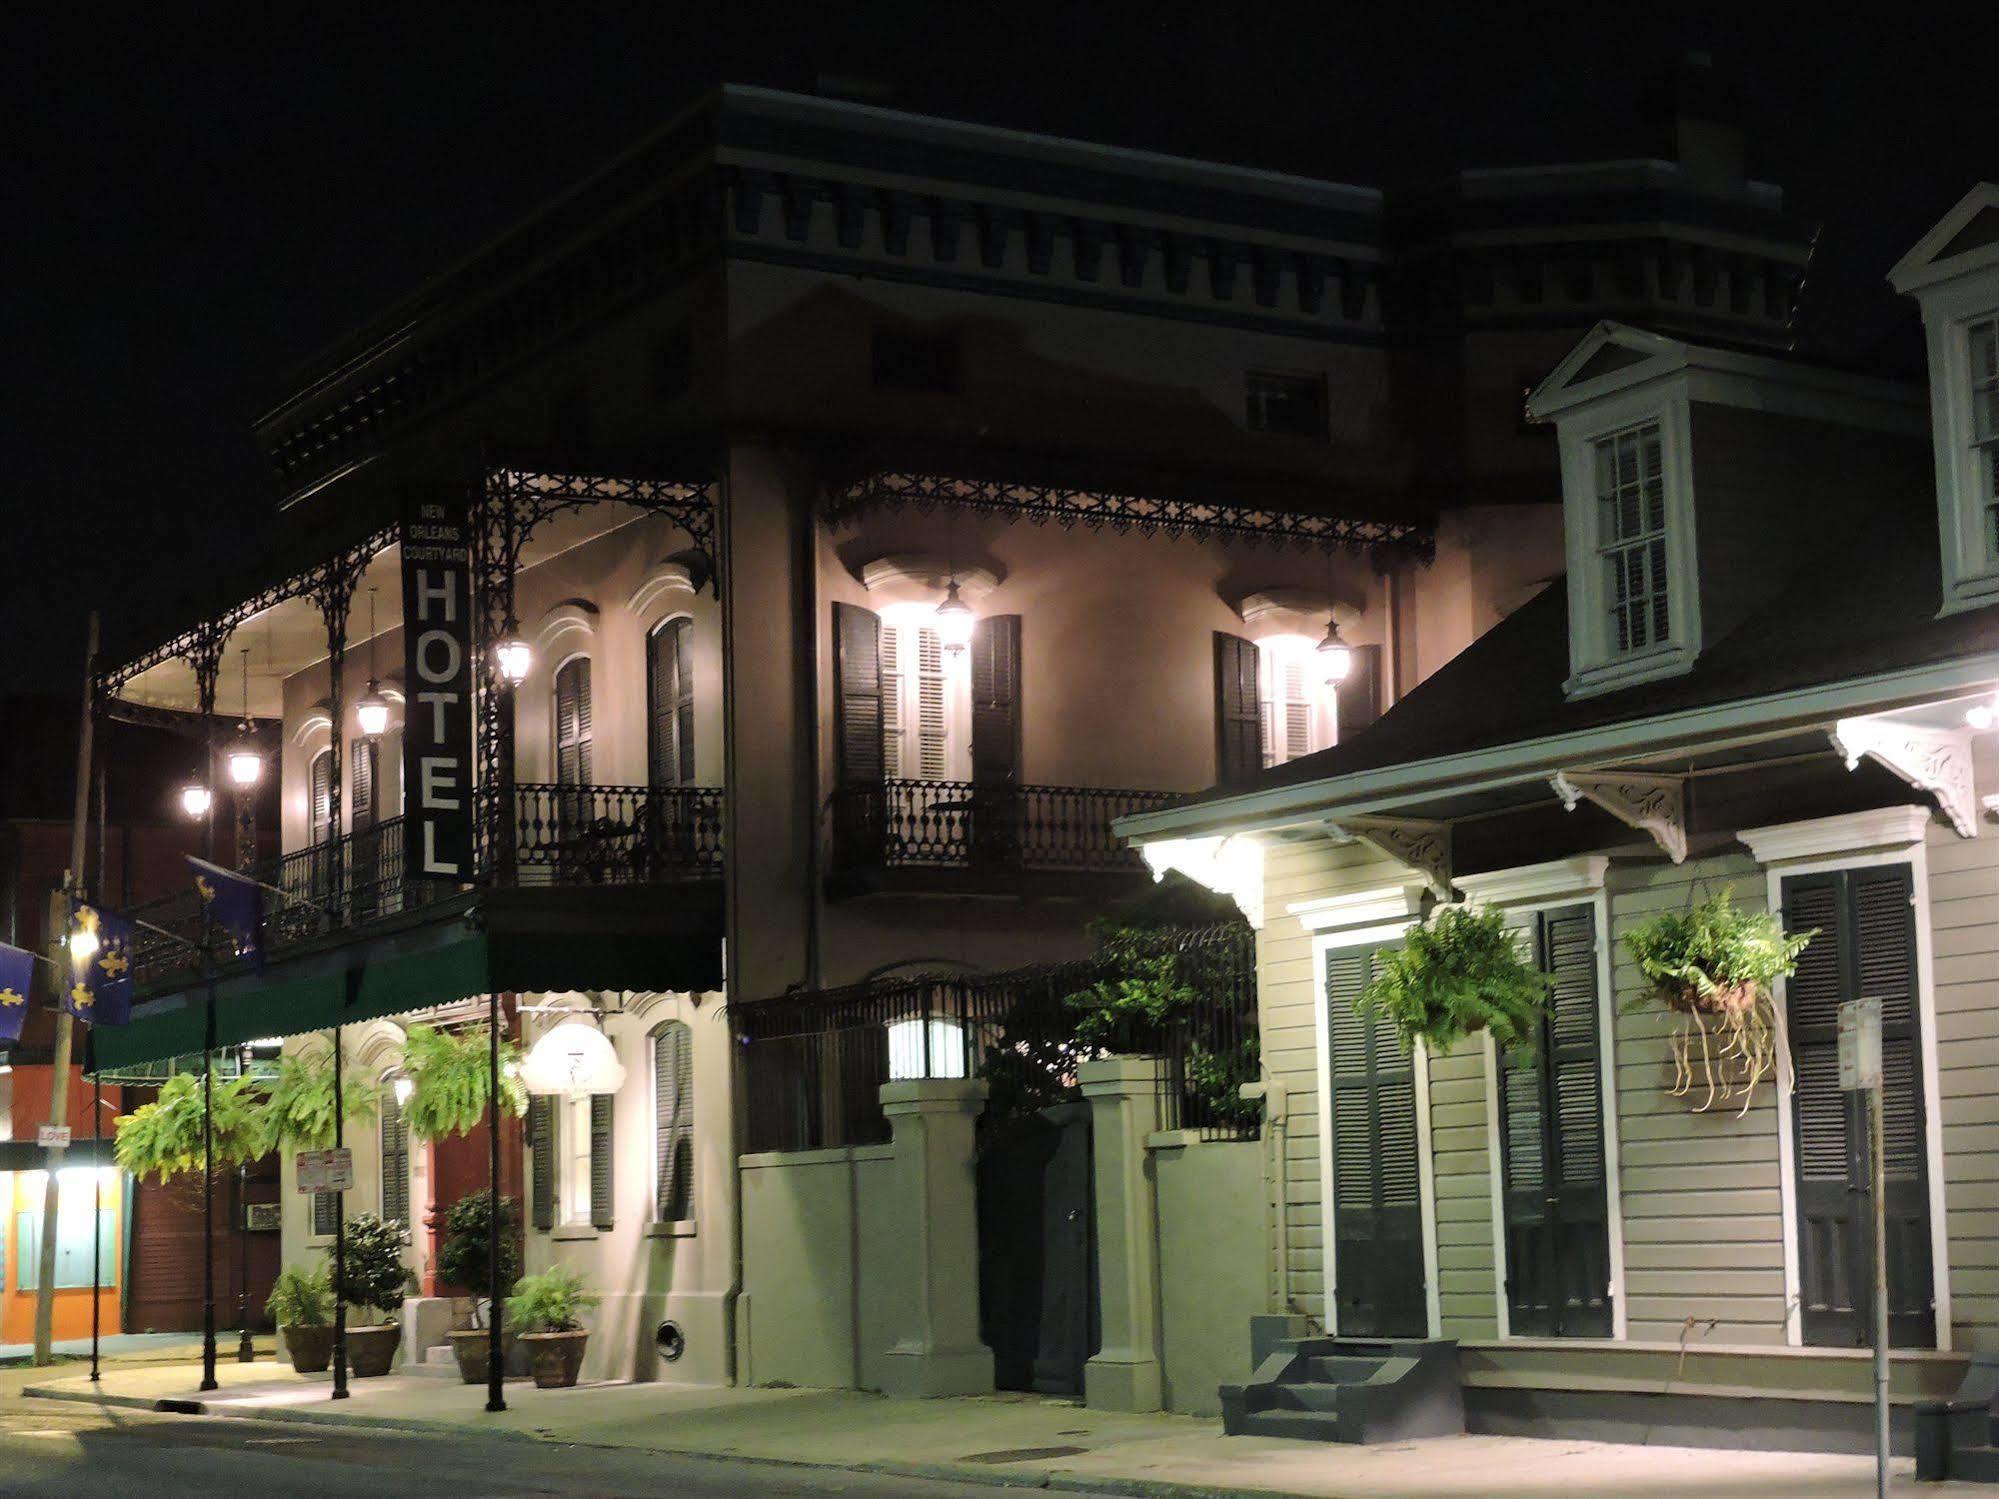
[(1096, 509)]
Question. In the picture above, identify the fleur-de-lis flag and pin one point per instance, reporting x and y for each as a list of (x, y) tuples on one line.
[(100, 979), (17, 973), (235, 905)]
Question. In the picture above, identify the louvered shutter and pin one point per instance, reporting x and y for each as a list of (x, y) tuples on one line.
[(996, 723), (395, 1160), (321, 797), (601, 1145), (683, 700), (673, 1122), (572, 723), (857, 694), (361, 814), (1238, 719), (541, 1150), (1866, 949), (325, 1214), (670, 704), (1357, 700), (1377, 1192)]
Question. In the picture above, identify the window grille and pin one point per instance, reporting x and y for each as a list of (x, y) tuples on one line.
[(1631, 537)]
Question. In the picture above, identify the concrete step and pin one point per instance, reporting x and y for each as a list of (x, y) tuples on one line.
[(1344, 1368), (1975, 1465), (1305, 1396), (437, 1363), (1304, 1426)]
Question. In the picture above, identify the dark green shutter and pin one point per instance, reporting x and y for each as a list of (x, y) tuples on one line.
[(1377, 1181), (1552, 1156), (670, 703), (541, 1150), (1357, 700), (996, 699), (857, 694), (572, 723), (673, 1121), (395, 1160), (601, 1145), (683, 699), (1866, 949), (1238, 709)]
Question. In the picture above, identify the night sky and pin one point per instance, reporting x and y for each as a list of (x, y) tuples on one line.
[(196, 214)]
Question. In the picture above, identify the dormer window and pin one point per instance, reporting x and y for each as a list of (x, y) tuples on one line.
[(1984, 365), (1631, 538)]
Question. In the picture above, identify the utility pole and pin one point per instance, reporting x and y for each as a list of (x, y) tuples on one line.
[(60, 905)]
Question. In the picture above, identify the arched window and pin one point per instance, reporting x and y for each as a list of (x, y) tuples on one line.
[(670, 703), (395, 1133), (572, 722), (673, 1116)]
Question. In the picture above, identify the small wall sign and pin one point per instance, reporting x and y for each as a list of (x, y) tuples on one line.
[(1860, 1045), (325, 1170), (53, 1137)]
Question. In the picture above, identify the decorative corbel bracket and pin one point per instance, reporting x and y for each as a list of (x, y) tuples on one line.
[(1421, 845), (1934, 760), (1655, 805)]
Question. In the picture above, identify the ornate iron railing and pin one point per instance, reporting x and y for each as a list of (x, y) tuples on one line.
[(996, 827), (563, 835), (814, 1062)]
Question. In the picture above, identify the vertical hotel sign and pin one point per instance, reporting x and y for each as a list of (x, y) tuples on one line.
[(437, 681)]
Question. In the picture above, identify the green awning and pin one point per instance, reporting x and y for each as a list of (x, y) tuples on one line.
[(509, 947)]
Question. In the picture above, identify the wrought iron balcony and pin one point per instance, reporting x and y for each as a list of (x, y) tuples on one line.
[(961, 836), (574, 836)]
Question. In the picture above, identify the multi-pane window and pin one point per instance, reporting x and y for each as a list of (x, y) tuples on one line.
[(572, 722), (1631, 537), (1292, 706), (576, 1158), (1291, 405), (670, 688), (1985, 426), (917, 739), (673, 1113)]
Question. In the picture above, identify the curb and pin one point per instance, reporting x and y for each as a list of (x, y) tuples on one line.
[(967, 1473)]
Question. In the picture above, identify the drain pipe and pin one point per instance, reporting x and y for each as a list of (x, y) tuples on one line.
[(1277, 1197)]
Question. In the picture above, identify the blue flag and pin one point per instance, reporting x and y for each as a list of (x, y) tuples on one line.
[(100, 987), (17, 975), (235, 904)]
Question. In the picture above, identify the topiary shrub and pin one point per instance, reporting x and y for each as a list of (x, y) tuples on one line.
[(372, 1274), (1456, 974), (463, 1260)]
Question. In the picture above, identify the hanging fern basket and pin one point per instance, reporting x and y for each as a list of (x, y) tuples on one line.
[(450, 1075), (1456, 974), (1711, 966)]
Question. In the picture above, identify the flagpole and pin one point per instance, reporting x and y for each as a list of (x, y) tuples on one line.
[(97, 1191), (208, 1107), (65, 1038)]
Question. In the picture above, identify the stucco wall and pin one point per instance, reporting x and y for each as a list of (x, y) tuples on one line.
[(1213, 1265)]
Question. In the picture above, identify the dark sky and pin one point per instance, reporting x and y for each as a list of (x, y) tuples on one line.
[(196, 213)]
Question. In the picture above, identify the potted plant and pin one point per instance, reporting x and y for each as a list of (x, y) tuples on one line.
[(546, 1311), (164, 1138), (372, 1277), (463, 1261), (1458, 973), (451, 1083), (1712, 966), (297, 1109), (301, 1303)]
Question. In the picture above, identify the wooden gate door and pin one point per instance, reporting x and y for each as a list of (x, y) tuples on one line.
[(1557, 1206), (1865, 949), (1377, 1203), (1037, 1251)]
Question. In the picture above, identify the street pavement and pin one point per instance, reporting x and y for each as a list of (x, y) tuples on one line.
[(66, 1450)]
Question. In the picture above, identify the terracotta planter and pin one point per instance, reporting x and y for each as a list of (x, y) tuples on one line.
[(471, 1345), (310, 1348), (554, 1358), (370, 1350)]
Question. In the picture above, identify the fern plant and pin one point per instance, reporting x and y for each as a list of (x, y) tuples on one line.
[(553, 1301), (450, 1083), (1456, 974), (297, 1112), (163, 1138), (301, 1298)]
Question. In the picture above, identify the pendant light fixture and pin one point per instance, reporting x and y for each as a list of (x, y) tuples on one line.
[(372, 712), (246, 759), (513, 656), (953, 619), (1335, 655)]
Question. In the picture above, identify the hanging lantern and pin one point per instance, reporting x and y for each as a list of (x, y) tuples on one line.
[(954, 620), (573, 1058), (515, 659), (372, 712), (403, 1087), (246, 762), (196, 799), (1335, 655)]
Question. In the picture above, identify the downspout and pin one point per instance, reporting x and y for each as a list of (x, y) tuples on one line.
[(1392, 641)]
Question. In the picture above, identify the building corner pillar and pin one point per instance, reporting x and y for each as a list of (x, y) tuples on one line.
[(1123, 1094), (936, 1350)]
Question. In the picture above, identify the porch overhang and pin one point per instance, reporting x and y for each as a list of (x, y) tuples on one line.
[(500, 941)]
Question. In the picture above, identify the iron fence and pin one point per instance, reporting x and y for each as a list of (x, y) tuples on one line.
[(813, 1063), (997, 826), (616, 835)]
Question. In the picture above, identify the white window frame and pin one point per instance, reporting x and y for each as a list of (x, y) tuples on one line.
[(573, 1161), (1274, 655), (903, 716), (1822, 845), (1388, 914), (1595, 663), (1526, 891), (1970, 562)]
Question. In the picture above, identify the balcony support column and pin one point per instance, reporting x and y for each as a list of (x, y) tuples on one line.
[(334, 595)]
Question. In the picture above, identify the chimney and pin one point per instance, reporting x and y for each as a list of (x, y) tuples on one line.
[(1704, 114)]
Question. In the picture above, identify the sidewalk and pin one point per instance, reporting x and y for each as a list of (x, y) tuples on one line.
[(117, 1345), (1012, 1439)]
